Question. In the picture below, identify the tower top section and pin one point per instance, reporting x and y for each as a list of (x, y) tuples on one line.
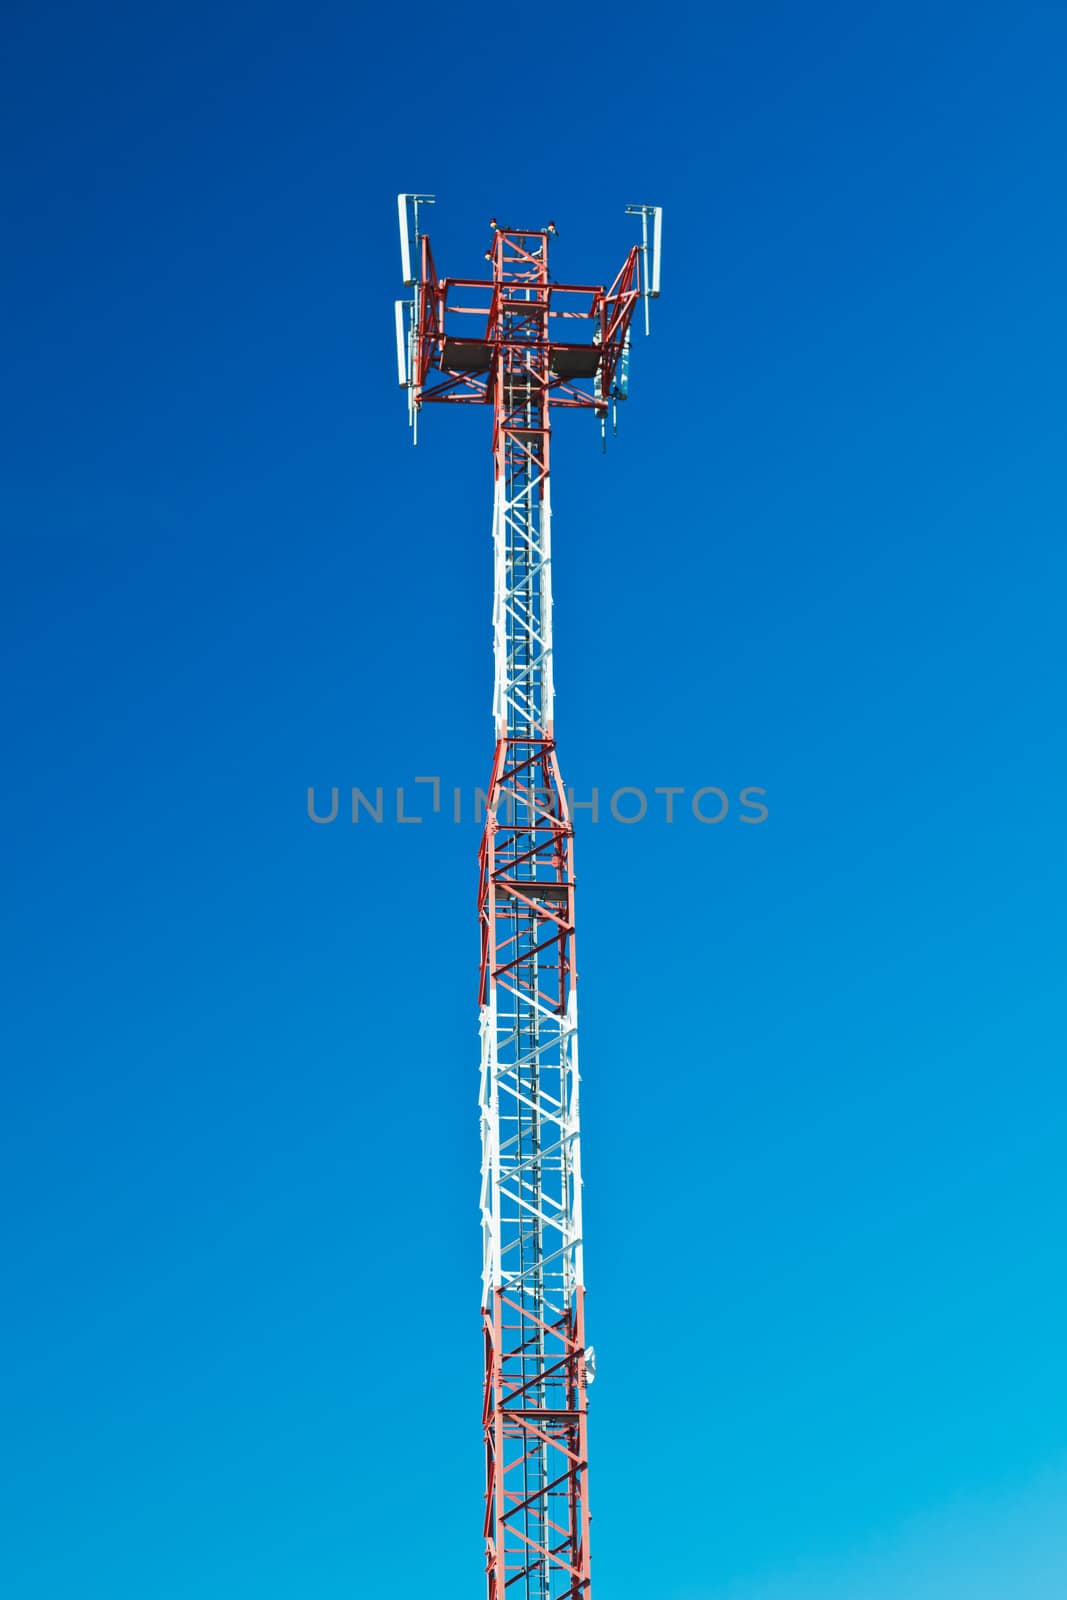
[(457, 338)]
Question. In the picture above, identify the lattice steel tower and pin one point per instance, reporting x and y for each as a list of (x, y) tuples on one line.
[(525, 345)]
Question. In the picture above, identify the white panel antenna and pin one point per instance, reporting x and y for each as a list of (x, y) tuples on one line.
[(651, 254), (407, 206), (402, 374)]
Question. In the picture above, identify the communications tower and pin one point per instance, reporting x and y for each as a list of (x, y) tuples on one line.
[(523, 345)]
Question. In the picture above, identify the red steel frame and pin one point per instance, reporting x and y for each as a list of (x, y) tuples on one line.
[(515, 342)]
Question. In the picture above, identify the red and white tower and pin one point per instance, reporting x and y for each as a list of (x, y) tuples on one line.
[(525, 345)]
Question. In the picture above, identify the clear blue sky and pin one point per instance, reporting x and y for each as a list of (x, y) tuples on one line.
[(824, 1091)]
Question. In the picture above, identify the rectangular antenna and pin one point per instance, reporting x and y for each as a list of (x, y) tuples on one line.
[(409, 231), (401, 346), (649, 255), (405, 238)]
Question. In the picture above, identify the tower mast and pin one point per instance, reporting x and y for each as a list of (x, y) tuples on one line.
[(507, 342)]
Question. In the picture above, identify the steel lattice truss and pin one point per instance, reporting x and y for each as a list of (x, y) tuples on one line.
[(535, 1406)]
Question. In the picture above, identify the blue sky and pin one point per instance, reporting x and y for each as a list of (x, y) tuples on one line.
[(824, 1099)]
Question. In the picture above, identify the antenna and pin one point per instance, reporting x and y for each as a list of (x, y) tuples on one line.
[(407, 206), (650, 269), (401, 346), (405, 240)]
